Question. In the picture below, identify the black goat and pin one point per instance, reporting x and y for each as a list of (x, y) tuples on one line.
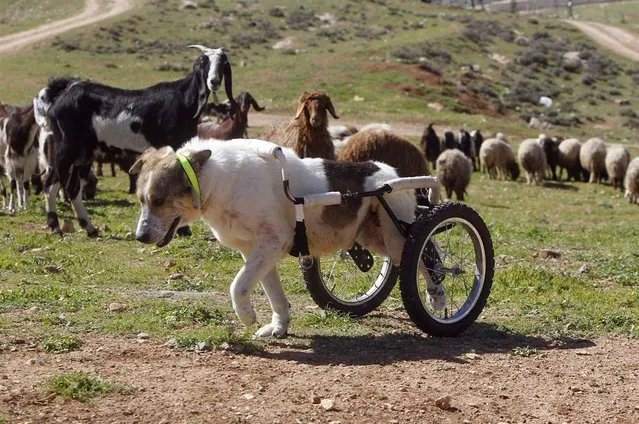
[(551, 149), (431, 145), (466, 145), (234, 126), (478, 140), (450, 141), (85, 115)]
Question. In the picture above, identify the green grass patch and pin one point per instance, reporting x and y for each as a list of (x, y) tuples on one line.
[(224, 338), (81, 386), (61, 343)]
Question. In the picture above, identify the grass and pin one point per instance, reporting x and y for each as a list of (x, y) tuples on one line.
[(21, 15), (81, 386), (61, 343), (587, 224)]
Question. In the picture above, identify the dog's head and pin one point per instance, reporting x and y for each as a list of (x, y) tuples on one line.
[(167, 197)]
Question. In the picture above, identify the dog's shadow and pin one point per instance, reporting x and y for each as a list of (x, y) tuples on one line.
[(480, 338)]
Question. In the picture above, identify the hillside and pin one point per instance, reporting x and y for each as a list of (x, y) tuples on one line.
[(379, 60)]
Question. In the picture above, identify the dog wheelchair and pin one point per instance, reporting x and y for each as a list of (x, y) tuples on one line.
[(448, 246)]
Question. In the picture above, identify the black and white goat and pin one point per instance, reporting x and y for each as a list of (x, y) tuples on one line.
[(19, 152), (84, 116)]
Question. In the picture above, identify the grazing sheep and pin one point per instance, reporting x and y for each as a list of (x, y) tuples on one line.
[(450, 141), (551, 149), (499, 160), (431, 145), (307, 134), (454, 169), (341, 132), (376, 126), (466, 145), (478, 140), (631, 182), (384, 146), (234, 126), (533, 159), (593, 159), (617, 160), (569, 158)]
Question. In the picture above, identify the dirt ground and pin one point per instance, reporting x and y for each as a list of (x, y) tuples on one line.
[(393, 378)]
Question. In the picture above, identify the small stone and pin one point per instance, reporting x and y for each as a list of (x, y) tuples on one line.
[(143, 336), (31, 361), (622, 102), (585, 269), (22, 248), (176, 276), (472, 355), (315, 400), (358, 99), (225, 346), (116, 307), (169, 264), (106, 228), (33, 310), (437, 106), (67, 227), (327, 404), (189, 5), (443, 402), (52, 269), (334, 422), (249, 396), (129, 236)]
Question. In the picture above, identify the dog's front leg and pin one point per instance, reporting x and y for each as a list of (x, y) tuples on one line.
[(280, 306), (257, 265)]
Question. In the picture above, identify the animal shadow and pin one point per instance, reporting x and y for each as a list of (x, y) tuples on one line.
[(482, 338)]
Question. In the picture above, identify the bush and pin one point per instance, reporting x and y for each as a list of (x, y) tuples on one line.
[(628, 113), (417, 53), (301, 19)]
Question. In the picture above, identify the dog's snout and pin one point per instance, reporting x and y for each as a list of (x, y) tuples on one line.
[(143, 237)]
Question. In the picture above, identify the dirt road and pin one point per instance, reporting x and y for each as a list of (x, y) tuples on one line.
[(94, 11), (616, 39)]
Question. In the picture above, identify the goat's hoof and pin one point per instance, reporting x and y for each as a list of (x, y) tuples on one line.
[(184, 231), (93, 233), (57, 231)]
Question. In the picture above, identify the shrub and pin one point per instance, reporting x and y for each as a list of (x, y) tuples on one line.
[(301, 19)]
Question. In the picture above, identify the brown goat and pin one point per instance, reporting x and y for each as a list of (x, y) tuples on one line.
[(307, 134), (384, 146), (234, 126)]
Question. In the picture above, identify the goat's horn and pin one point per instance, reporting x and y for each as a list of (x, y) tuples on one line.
[(199, 47)]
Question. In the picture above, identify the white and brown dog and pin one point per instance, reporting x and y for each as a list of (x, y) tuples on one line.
[(243, 201)]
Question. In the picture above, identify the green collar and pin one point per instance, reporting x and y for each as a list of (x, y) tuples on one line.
[(190, 173)]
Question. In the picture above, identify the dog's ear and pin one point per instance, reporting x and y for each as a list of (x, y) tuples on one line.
[(198, 159), (137, 166)]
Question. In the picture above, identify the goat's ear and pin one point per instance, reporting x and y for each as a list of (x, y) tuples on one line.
[(331, 109), (202, 92), (137, 167), (300, 110), (198, 159)]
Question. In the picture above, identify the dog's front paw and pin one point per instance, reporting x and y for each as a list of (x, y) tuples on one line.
[(272, 330), (247, 315), (436, 297)]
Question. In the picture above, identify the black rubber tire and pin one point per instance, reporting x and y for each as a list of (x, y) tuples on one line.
[(323, 297), (419, 236)]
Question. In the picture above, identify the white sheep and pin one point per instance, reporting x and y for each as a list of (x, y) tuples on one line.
[(593, 159), (498, 159), (453, 172), (617, 160), (631, 182), (533, 159), (569, 158)]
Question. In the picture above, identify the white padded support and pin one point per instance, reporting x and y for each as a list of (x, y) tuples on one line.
[(323, 199), (413, 183)]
